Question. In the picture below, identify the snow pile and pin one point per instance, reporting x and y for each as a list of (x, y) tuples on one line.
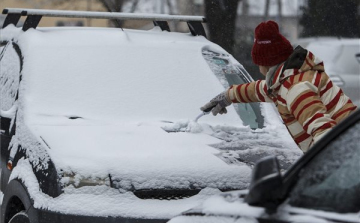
[(184, 126)]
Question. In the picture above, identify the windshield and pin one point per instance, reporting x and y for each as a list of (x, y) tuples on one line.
[(232, 73)]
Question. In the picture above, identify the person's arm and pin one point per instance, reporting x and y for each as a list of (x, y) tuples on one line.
[(305, 104), (243, 93), (250, 92)]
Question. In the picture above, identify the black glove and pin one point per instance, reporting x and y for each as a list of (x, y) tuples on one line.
[(218, 104)]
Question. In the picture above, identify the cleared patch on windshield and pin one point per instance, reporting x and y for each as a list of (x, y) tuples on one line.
[(229, 72)]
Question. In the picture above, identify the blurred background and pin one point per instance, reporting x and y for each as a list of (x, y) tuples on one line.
[(231, 23)]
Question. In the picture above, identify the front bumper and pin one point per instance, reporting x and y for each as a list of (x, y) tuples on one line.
[(45, 216)]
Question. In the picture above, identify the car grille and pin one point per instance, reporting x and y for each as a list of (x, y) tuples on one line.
[(166, 194)]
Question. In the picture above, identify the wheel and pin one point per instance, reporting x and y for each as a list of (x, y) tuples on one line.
[(16, 200), (20, 217)]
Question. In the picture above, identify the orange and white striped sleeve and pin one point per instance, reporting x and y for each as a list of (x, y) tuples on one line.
[(305, 104), (250, 92)]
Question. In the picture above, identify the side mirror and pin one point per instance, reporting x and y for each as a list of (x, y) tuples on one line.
[(358, 57), (265, 184)]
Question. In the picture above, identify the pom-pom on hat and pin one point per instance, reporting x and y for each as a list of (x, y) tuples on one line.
[(270, 47)]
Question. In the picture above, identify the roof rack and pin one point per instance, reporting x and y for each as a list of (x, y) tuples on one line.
[(34, 16)]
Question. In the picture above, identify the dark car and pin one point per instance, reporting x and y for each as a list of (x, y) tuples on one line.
[(322, 186)]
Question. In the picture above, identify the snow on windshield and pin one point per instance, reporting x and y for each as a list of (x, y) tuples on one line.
[(123, 75)]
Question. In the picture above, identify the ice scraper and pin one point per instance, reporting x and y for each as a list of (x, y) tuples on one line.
[(205, 112)]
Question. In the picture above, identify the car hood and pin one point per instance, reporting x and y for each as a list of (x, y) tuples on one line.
[(140, 155)]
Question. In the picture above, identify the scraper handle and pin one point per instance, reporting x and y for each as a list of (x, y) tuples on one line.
[(209, 109)]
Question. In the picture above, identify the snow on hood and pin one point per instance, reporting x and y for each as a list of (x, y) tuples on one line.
[(141, 155)]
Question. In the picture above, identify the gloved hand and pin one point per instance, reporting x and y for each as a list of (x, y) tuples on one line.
[(218, 104)]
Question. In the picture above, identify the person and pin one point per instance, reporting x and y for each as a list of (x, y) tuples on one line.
[(309, 103)]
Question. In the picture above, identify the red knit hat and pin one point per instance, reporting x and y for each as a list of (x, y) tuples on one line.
[(270, 47)]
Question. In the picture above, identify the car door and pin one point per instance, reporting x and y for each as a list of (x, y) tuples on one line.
[(329, 185)]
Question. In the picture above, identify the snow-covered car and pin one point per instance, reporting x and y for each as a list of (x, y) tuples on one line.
[(323, 186), (341, 64), (97, 123)]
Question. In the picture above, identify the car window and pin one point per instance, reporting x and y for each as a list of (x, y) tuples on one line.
[(347, 60), (9, 76), (230, 73), (331, 181)]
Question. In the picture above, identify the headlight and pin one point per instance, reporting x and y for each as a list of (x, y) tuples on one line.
[(78, 181)]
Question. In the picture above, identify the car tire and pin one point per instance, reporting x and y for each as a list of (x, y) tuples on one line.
[(20, 217), (16, 190)]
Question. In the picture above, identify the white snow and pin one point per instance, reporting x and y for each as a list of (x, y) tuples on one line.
[(230, 206), (97, 101), (103, 200), (141, 154), (226, 207)]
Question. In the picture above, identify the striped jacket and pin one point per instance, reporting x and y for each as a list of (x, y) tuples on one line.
[(307, 100)]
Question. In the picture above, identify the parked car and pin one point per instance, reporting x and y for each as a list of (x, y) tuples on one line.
[(341, 64), (322, 186), (97, 123)]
